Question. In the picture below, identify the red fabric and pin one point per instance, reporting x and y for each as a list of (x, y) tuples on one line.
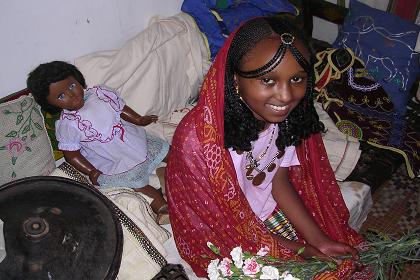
[(205, 199), (406, 9)]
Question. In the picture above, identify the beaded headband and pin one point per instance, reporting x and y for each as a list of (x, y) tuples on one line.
[(287, 40)]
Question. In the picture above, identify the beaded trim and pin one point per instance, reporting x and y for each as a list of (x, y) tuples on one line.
[(124, 220), (73, 173), (352, 83), (140, 237)]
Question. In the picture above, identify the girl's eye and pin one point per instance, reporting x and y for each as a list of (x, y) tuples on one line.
[(60, 96), (267, 81), (296, 80), (72, 86)]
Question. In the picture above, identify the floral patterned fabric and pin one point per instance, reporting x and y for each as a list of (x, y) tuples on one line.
[(25, 149), (206, 203)]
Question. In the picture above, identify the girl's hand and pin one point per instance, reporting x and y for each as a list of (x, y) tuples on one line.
[(333, 248), (310, 252), (145, 120)]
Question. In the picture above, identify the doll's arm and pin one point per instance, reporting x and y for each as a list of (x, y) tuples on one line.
[(76, 159), (289, 201), (131, 116)]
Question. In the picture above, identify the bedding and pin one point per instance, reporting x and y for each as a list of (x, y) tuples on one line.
[(385, 43), (157, 71), (217, 19), (360, 107)]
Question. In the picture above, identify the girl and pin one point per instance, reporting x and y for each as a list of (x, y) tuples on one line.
[(247, 165), (98, 134)]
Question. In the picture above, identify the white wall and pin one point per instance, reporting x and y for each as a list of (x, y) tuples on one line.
[(33, 32)]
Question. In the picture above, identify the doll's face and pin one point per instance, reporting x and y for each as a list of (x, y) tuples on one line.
[(274, 95), (66, 94)]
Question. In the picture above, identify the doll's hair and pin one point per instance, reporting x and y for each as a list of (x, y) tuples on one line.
[(41, 77), (241, 127)]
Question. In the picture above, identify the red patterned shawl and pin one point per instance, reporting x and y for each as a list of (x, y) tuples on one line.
[(206, 202)]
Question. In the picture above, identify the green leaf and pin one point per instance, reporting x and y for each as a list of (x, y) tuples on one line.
[(12, 133), (6, 112), (301, 250), (2, 147), (23, 104), (28, 149), (37, 125), (19, 119), (14, 160), (271, 259), (332, 265), (13, 174), (26, 129), (214, 248)]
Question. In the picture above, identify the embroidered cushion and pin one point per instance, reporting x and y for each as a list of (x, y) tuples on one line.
[(217, 19), (25, 149), (385, 42)]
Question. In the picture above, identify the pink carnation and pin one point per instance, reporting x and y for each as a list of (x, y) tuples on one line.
[(224, 267), (251, 267), (263, 251)]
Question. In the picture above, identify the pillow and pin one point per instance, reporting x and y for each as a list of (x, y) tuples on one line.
[(25, 149), (386, 44), (217, 19)]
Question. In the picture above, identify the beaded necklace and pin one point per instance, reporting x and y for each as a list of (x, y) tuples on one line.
[(254, 163)]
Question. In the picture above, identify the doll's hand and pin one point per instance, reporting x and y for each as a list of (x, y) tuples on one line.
[(93, 176), (145, 120)]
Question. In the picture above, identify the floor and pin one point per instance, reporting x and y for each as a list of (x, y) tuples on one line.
[(395, 212)]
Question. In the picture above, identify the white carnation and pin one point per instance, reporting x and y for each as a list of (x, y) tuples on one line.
[(237, 256), (269, 272)]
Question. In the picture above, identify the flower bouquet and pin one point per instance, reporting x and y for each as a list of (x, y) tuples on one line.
[(381, 253)]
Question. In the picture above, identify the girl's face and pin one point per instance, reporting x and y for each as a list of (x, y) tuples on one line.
[(66, 94), (274, 95)]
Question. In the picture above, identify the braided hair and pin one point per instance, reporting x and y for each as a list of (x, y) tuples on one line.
[(241, 127), (41, 77)]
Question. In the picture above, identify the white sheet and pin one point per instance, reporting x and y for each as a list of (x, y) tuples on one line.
[(156, 72)]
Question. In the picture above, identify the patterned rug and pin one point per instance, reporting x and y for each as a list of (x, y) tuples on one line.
[(395, 211)]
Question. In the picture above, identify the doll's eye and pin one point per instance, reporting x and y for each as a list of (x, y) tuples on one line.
[(72, 86), (60, 96)]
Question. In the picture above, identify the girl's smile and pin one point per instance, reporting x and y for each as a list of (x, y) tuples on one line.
[(66, 94), (274, 95)]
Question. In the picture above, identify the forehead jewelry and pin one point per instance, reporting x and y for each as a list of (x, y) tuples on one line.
[(287, 40)]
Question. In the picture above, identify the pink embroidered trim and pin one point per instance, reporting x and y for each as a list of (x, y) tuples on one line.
[(90, 133), (85, 126), (104, 94)]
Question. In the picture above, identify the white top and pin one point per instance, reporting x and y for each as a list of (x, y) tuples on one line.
[(112, 145), (260, 197)]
